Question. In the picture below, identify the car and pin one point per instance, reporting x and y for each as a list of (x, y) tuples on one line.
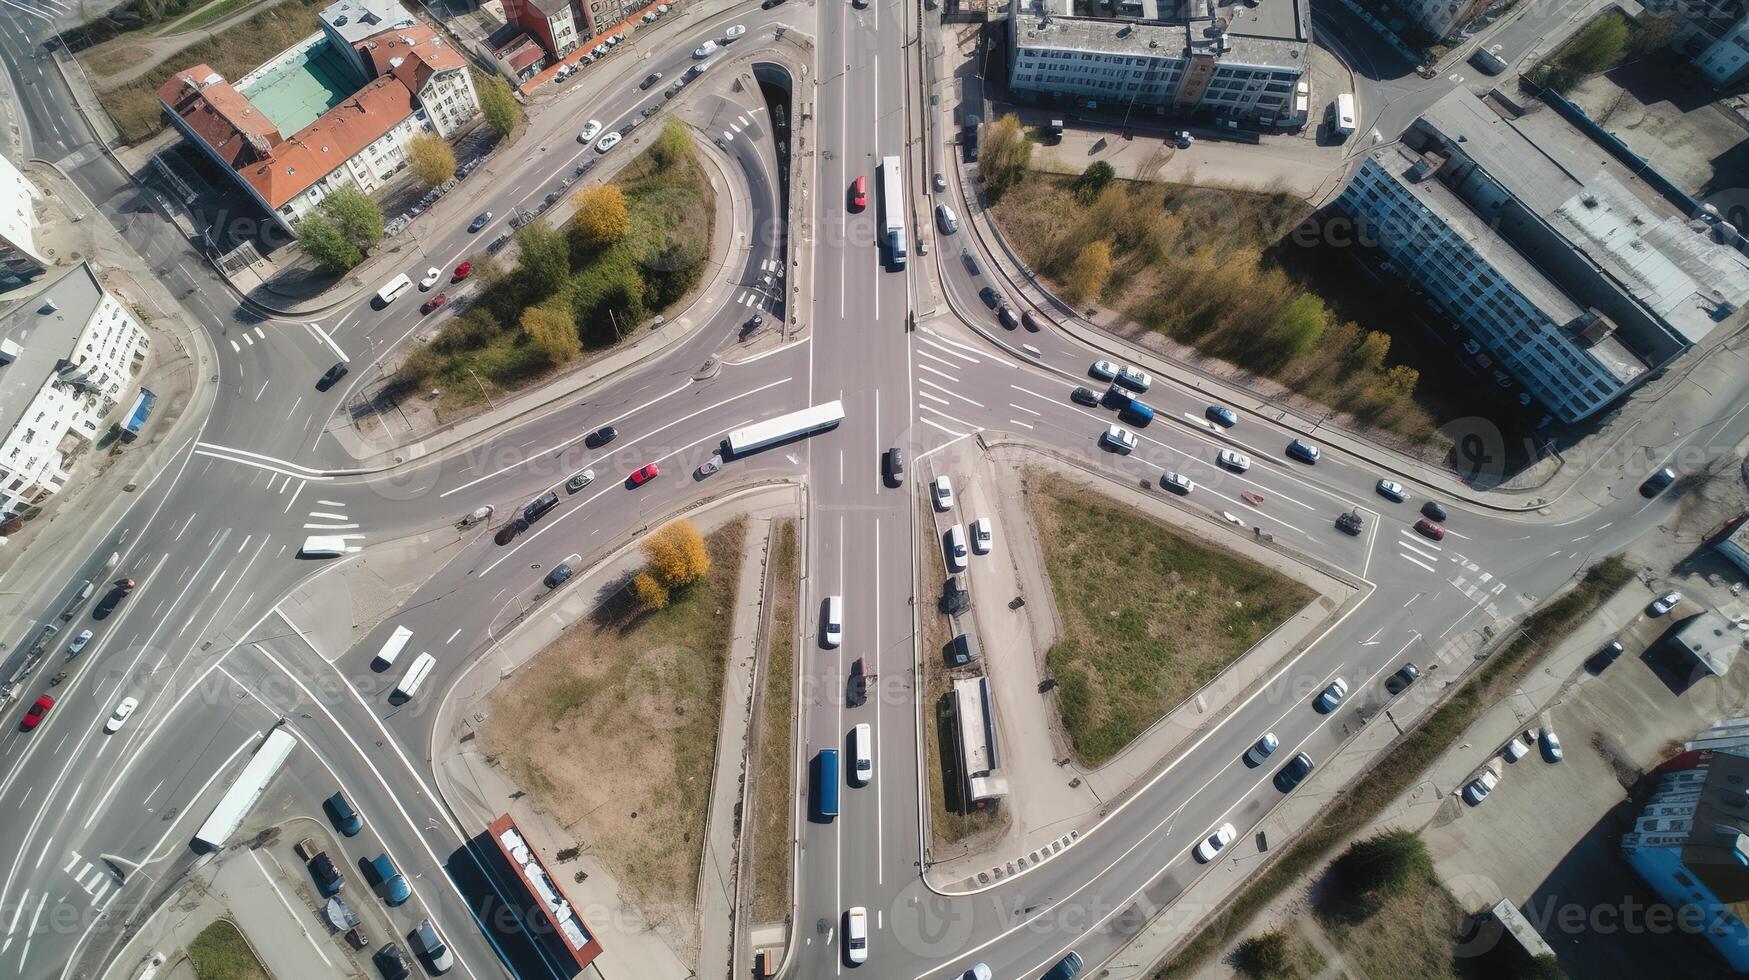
[(1032, 323), (1350, 522), (391, 962), (1067, 968), (329, 880), (990, 297), (1103, 370), (768, 4), (331, 377), (943, 491), (1262, 749), (341, 813), (1331, 696), (946, 219), (1182, 139), (1657, 482), (431, 276), (428, 942), (1551, 745), (1478, 788), (856, 935), (971, 262), (560, 574), (37, 712), (1084, 396), (734, 32), (705, 50), (956, 548), (1119, 439), (1392, 490), (120, 716), (1177, 482), (1434, 512), (607, 142), (940, 183), (498, 243), (601, 437), (1514, 749), (895, 465), (591, 129), (79, 642), (479, 222), (1233, 460), (1305, 452), (506, 534), (1430, 529), (579, 480), (1134, 378), (1598, 662), (1665, 603), (859, 193), (1221, 416), (649, 80), (645, 474), (1215, 843), (1295, 772), (1399, 682), (462, 271), (1007, 316), (983, 538), (979, 971), (434, 302), (711, 465)]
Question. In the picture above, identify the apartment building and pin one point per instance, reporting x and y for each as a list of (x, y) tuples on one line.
[(21, 258), (68, 356), (1229, 63), (1713, 34), (348, 23), (554, 23), (1569, 273)]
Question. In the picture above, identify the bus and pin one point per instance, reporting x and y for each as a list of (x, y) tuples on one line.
[(826, 785), (785, 427), (246, 791), (893, 210)]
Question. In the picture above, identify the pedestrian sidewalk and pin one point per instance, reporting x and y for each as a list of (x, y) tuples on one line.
[(477, 790)]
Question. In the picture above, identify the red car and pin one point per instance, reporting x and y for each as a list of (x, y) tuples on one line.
[(645, 475), (1430, 529), (34, 716), (434, 302), (461, 272), (859, 194)]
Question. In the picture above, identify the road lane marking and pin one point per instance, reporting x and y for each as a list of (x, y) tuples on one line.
[(925, 367), (1414, 561)]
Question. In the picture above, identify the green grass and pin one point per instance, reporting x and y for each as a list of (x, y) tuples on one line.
[(614, 726), (205, 15), (1149, 615), (233, 53), (219, 953), (772, 804), (1408, 759)]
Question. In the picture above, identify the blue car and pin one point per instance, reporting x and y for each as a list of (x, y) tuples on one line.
[(1221, 416), (1305, 452), (1067, 968), (346, 819)]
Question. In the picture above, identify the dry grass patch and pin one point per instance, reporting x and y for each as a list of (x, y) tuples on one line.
[(1149, 615), (772, 802), (1413, 936), (614, 726)]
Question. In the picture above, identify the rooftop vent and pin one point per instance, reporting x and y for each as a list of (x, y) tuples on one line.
[(1588, 199)]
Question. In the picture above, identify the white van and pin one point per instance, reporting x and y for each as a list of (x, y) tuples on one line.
[(415, 675), (392, 648), (323, 546), (862, 752), (393, 289), (832, 630), (1342, 115)]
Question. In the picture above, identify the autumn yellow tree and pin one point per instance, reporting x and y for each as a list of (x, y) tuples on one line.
[(677, 554), (1089, 273), (551, 329), (602, 218), (650, 594), (430, 159)]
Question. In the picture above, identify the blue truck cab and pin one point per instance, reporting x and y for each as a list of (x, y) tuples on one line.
[(1129, 408), (826, 785), (389, 881)]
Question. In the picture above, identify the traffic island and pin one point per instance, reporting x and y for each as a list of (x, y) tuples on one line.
[(770, 827)]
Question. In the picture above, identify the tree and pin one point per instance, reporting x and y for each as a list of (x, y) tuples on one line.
[(1266, 955), (357, 216), (321, 240), (430, 159), (650, 594), (1369, 354), (498, 104), (1383, 866), (1004, 156), (673, 145), (551, 329), (543, 260), (1300, 327), (677, 554), (1089, 273), (602, 218), (1096, 178)]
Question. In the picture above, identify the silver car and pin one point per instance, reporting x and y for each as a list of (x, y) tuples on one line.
[(579, 480)]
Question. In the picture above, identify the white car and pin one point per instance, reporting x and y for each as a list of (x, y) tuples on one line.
[(431, 277), (956, 548), (1332, 696), (1666, 602), (979, 971), (943, 486), (705, 50), (734, 32), (1177, 482), (1264, 748), (1515, 749), (856, 935), (982, 536), (1392, 490), (591, 129), (122, 711), (1216, 842), (1103, 370), (1119, 439), (1235, 461), (579, 480), (79, 642), (1480, 787), (1134, 378), (608, 142)]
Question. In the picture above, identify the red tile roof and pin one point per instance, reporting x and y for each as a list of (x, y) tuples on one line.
[(412, 54), (224, 119), (331, 140)]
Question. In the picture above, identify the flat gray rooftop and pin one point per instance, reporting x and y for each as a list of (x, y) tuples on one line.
[(43, 338), (1272, 35)]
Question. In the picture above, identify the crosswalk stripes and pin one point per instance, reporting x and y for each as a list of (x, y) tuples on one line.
[(94, 880)]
